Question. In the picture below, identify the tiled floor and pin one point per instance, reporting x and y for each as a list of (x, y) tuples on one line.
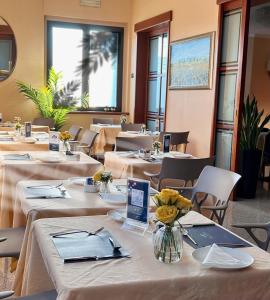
[(249, 211)]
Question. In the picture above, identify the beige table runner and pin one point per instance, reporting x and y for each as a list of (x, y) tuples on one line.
[(13, 171), (28, 210), (106, 137), (141, 276)]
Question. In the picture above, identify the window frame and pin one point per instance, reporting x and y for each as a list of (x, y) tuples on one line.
[(86, 27)]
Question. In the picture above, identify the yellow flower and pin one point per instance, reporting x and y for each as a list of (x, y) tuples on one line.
[(65, 136), (166, 214), (97, 176), (168, 195), (183, 203)]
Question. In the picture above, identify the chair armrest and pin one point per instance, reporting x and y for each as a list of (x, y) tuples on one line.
[(6, 294), (220, 207), (151, 175), (265, 226), (73, 142), (83, 146)]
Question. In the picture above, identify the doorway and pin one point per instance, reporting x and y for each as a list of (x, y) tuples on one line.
[(152, 71)]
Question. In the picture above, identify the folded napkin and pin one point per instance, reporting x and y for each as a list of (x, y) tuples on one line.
[(127, 154), (217, 257)]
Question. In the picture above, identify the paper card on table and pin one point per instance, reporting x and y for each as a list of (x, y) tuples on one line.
[(54, 141), (166, 143), (137, 205)]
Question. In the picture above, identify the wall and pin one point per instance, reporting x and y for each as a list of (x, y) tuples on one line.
[(26, 17), (260, 77), (186, 110)]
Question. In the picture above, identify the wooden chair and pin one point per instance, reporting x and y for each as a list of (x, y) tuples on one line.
[(86, 143), (44, 122), (75, 130), (177, 139), (133, 144), (103, 121), (131, 127), (185, 169)]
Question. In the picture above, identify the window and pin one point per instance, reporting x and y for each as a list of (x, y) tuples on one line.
[(92, 55)]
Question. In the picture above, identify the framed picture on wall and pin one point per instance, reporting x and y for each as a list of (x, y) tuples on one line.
[(191, 62)]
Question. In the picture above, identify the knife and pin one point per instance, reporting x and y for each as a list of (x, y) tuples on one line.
[(197, 225)]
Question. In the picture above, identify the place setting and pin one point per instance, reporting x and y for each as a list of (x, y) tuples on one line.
[(46, 191)]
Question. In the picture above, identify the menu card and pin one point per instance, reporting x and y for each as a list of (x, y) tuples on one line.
[(54, 141), (137, 205)]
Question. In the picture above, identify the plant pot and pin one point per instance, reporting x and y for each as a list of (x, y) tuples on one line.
[(249, 166)]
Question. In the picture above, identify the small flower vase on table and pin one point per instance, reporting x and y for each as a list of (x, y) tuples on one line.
[(167, 239), (104, 178), (65, 136), (168, 244)]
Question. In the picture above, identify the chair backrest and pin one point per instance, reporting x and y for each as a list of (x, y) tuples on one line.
[(103, 121), (44, 122), (217, 182), (177, 138), (88, 138), (75, 130), (131, 127), (186, 169), (133, 143)]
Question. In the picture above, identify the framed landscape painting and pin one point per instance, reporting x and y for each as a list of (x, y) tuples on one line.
[(191, 62)]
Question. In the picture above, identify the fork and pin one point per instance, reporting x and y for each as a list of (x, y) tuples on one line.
[(44, 186), (64, 233)]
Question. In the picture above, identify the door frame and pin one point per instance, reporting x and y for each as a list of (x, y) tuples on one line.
[(156, 25), (227, 5)]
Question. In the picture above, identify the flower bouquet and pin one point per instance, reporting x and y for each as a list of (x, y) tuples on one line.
[(168, 243), (104, 178), (123, 119), (156, 147), (65, 137)]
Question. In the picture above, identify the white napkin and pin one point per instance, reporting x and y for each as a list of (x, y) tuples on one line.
[(216, 256)]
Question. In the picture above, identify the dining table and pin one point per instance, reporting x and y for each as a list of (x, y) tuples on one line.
[(11, 127), (77, 202), (140, 276), (106, 137), (22, 165), (124, 164)]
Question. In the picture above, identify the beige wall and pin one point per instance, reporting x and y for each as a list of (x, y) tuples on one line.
[(26, 17), (260, 77), (186, 110)]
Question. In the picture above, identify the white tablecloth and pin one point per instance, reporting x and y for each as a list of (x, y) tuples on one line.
[(141, 276), (13, 171)]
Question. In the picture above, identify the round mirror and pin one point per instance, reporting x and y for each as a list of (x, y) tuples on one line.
[(8, 52)]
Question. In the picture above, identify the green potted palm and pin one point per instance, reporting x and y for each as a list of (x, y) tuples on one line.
[(54, 101), (253, 123)]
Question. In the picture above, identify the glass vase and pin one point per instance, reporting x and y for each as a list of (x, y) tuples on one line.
[(104, 188), (66, 145), (168, 244), (156, 152)]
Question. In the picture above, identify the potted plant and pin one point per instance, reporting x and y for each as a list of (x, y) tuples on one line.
[(54, 101), (253, 123)]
